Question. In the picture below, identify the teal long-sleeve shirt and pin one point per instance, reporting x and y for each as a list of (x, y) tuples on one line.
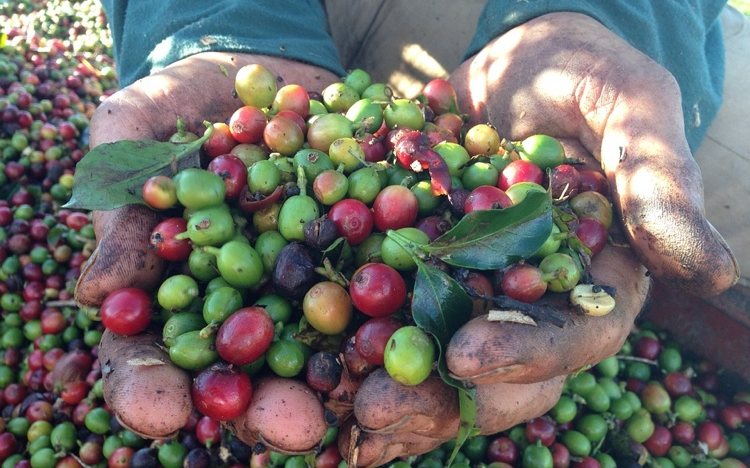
[(682, 35)]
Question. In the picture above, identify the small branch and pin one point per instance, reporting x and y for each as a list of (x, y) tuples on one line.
[(536, 311)]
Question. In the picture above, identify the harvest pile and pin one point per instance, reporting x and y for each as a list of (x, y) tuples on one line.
[(370, 268), (305, 224)]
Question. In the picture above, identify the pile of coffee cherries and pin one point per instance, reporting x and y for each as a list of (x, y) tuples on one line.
[(292, 243), (292, 247), (51, 420)]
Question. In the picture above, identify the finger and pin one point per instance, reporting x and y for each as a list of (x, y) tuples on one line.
[(122, 258), (395, 420), (659, 192), (285, 415), (501, 406), (430, 409), (399, 421), (146, 391), (484, 351), (386, 406)]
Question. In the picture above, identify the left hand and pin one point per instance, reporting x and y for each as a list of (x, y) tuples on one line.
[(564, 75)]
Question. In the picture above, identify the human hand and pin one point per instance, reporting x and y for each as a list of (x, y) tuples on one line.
[(567, 76), (149, 109), (154, 400)]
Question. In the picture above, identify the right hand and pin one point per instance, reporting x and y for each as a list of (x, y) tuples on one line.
[(154, 400)]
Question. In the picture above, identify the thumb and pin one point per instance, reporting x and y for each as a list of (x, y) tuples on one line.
[(122, 257), (659, 192)]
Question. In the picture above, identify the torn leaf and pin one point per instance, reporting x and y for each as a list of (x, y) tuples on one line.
[(145, 362), (515, 316)]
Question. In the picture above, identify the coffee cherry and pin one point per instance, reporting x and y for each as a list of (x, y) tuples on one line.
[(255, 85), (126, 311), (395, 207), (221, 392), (323, 371), (482, 139), (409, 355), (327, 307), (520, 170), (353, 219), (524, 282), (543, 150), (377, 289), (163, 242), (160, 192), (245, 336), (247, 123)]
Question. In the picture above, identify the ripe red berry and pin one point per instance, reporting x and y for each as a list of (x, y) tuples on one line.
[(245, 336), (222, 392), (164, 244), (377, 289), (126, 311)]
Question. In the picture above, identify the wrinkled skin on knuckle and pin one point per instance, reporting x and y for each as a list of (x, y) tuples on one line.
[(533, 78), (501, 406), (147, 393), (485, 352), (284, 414), (384, 405), (122, 258)]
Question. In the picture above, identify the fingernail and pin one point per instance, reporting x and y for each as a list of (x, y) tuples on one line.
[(85, 269), (720, 239)]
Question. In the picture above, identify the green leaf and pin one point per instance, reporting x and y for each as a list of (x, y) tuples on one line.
[(111, 175), (7, 190), (468, 408), (493, 239), (56, 234), (440, 306)]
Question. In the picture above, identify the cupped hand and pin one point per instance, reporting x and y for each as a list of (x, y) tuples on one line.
[(146, 391), (564, 75), (195, 89)]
